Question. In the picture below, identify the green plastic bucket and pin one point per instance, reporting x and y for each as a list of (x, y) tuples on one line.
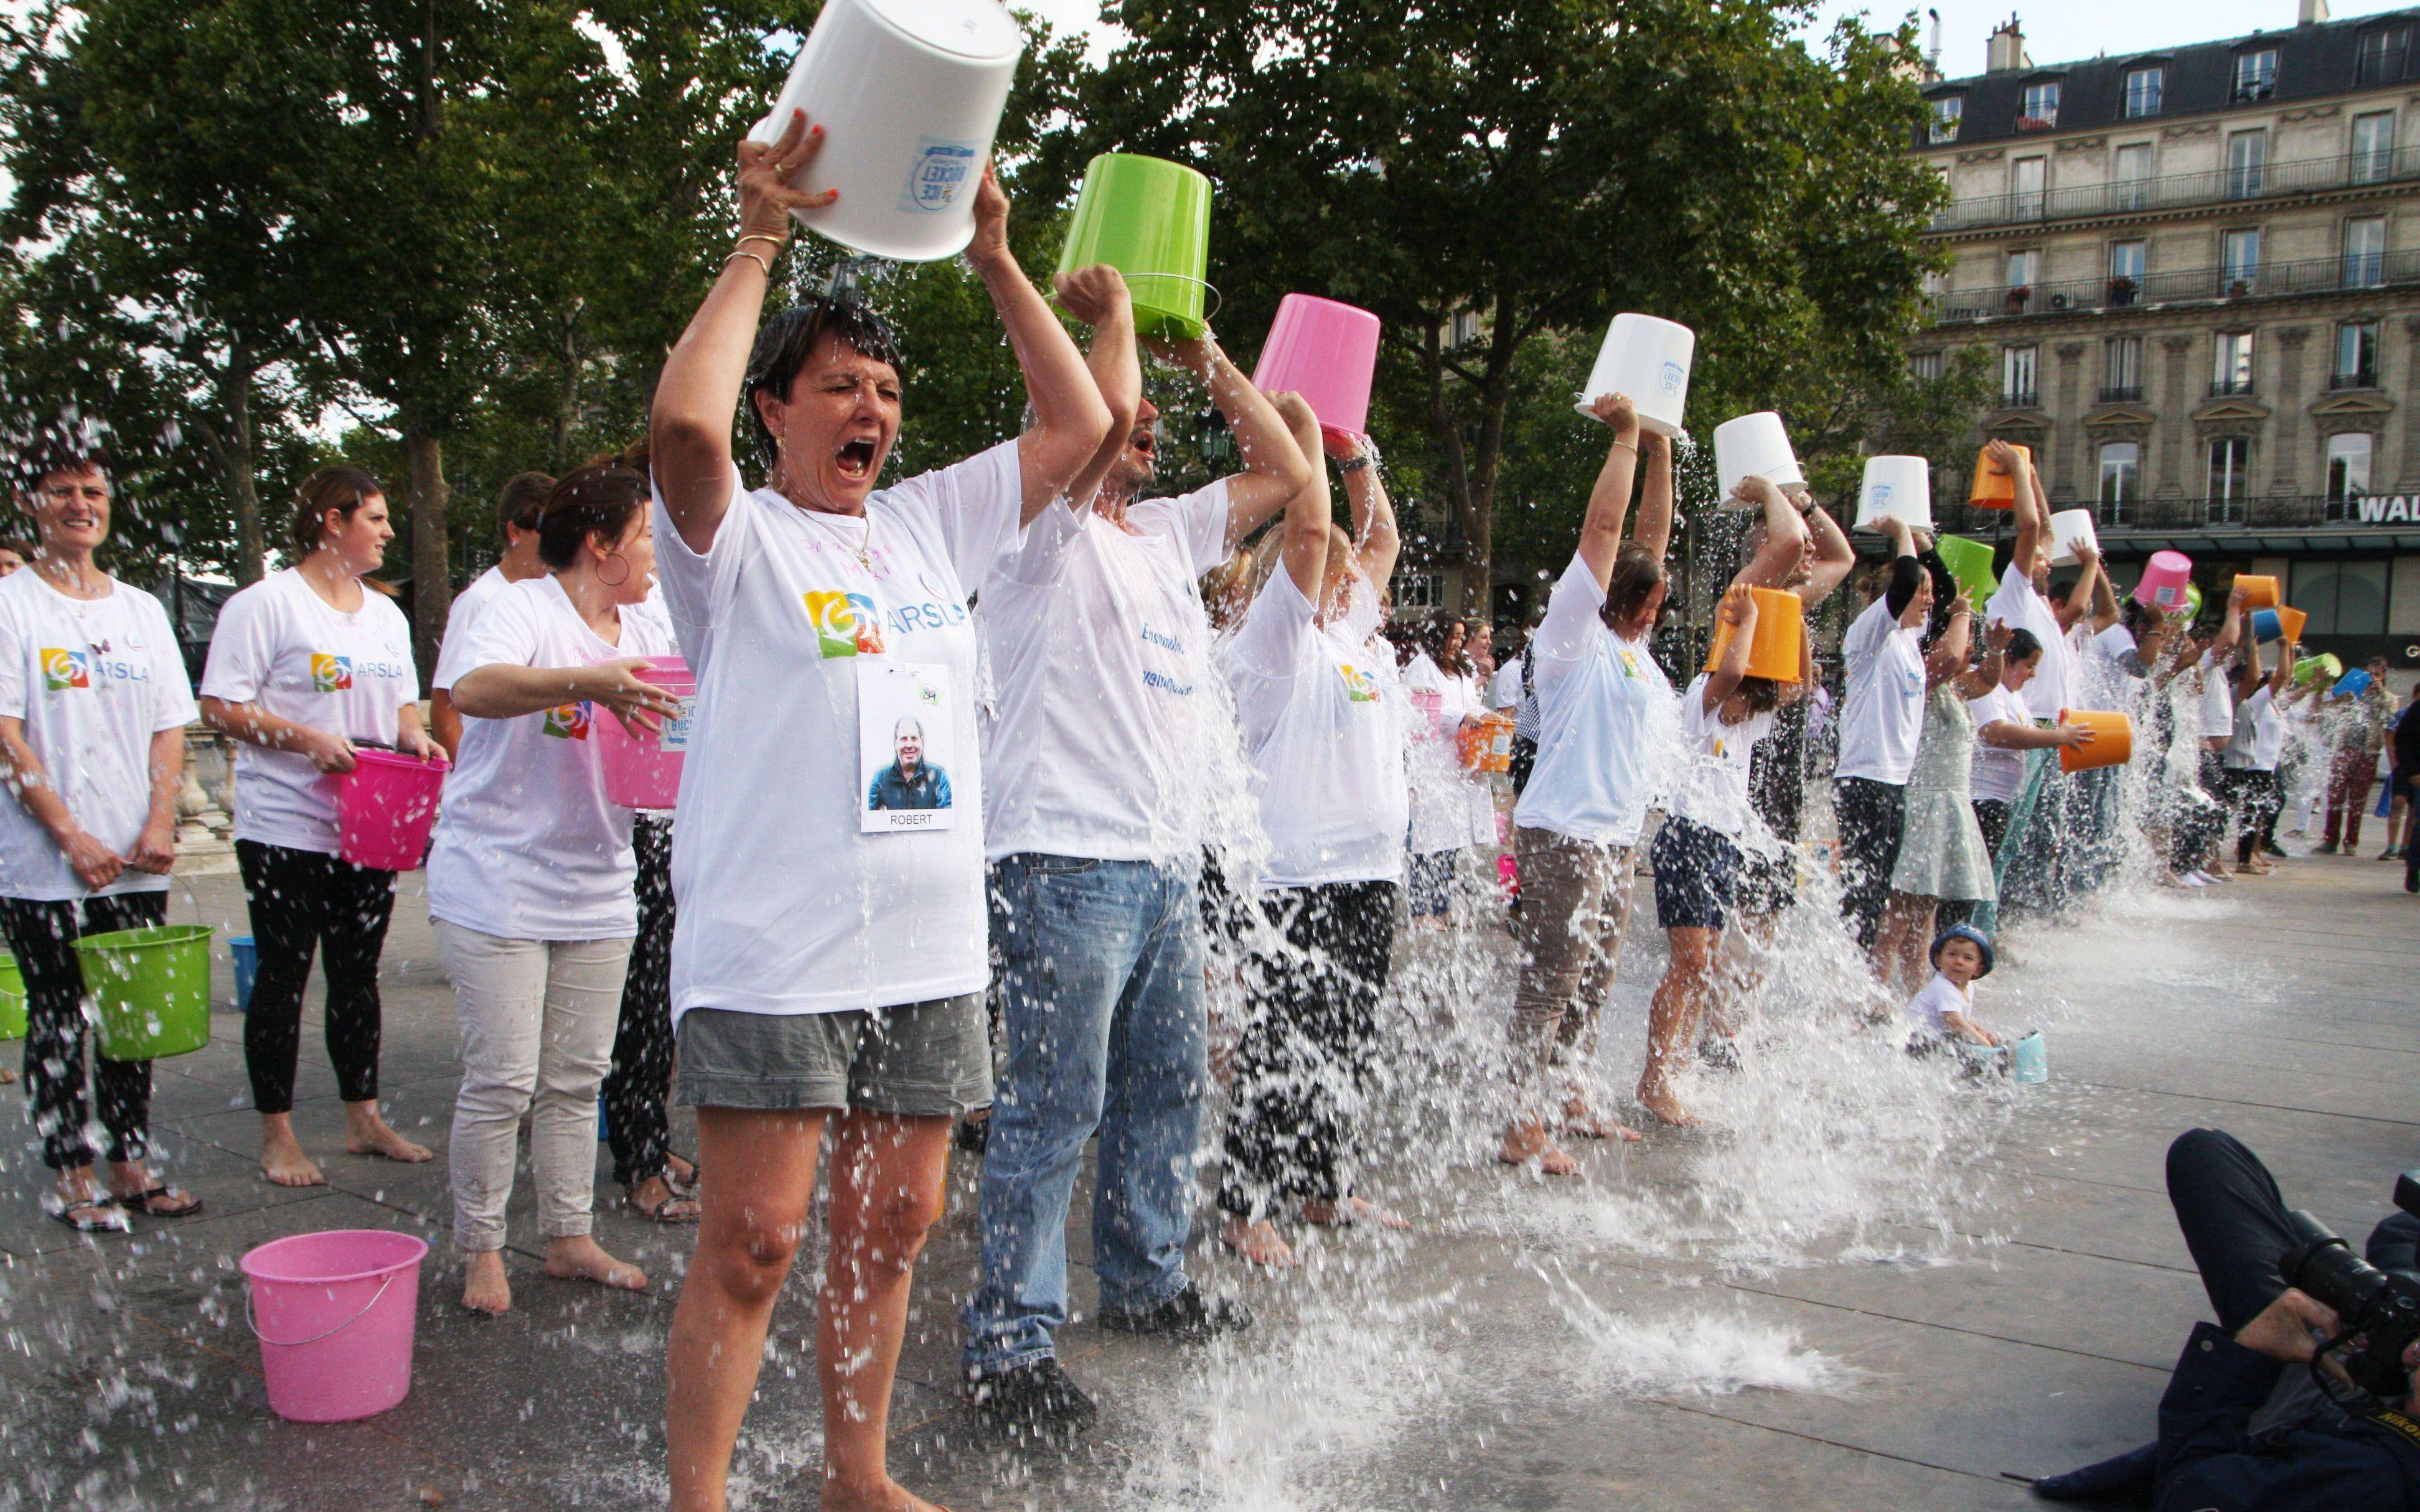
[(12, 999), (151, 987), (1970, 563), (1150, 220)]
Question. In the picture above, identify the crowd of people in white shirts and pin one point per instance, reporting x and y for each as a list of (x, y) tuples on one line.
[(832, 947)]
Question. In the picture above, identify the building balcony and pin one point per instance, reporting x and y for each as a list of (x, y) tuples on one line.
[(2121, 518), (2229, 387), (2217, 186), (2187, 285), (2365, 378), (2121, 393), (2021, 398)]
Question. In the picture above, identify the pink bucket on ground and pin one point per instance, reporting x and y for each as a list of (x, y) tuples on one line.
[(643, 771), (2166, 579), (1327, 352), (333, 1311), (1508, 875), (385, 806)]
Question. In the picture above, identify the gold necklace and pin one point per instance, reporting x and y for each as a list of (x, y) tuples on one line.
[(864, 549)]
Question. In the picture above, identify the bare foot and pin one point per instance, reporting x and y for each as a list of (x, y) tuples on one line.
[(1257, 1242), (1527, 1142), (7, 1077), (1581, 1120), (366, 1134), (281, 1154), (887, 1495), (484, 1286), (582, 1258), (1666, 1108), (1353, 1210)]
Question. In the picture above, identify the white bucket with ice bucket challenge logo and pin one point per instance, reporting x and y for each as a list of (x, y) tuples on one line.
[(908, 93), (1896, 487), (2067, 529), (1754, 446), (1646, 360)]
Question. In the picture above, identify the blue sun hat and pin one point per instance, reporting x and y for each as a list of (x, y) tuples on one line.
[(1963, 932)]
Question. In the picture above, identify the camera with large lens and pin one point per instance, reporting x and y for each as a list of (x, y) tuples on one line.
[(2378, 1314)]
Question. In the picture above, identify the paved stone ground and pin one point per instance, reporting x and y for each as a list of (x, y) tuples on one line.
[(1486, 1363)]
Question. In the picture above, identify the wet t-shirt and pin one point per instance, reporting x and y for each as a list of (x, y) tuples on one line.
[(1609, 726)]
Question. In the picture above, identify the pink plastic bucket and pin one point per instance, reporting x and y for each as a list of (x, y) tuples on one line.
[(334, 1313), (643, 771), (385, 806), (1326, 352), (1508, 875), (2165, 579)]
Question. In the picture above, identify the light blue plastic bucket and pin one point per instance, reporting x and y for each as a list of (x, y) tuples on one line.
[(2029, 1058), (247, 965)]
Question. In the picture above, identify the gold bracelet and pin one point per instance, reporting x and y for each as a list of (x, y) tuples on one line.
[(1628, 446), (777, 243), (752, 258)]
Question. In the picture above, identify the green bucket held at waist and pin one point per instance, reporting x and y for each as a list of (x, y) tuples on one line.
[(150, 988)]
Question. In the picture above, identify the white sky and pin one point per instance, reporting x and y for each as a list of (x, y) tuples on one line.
[(2056, 31)]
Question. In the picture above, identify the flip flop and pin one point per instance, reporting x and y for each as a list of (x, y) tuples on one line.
[(661, 1213), (141, 1202), (105, 1216)]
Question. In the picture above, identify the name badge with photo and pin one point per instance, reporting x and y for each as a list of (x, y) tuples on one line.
[(906, 726)]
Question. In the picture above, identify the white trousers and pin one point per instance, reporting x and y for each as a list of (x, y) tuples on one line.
[(537, 1020)]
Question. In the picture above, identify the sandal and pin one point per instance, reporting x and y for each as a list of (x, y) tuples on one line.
[(145, 1201), (102, 1215), (674, 1206), (685, 1186)]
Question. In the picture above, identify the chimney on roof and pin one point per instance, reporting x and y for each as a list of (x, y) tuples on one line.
[(1932, 54), (2005, 52), (2313, 12)]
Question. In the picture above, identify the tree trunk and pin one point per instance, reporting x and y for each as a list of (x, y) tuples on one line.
[(432, 581), (228, 436)]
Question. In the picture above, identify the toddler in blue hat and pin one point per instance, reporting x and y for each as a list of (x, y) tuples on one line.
[(1944, 1010)]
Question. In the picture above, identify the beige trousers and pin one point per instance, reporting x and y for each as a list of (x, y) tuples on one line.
[(1575, 899)]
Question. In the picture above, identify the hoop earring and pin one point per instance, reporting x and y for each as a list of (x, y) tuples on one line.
[(613, 583)]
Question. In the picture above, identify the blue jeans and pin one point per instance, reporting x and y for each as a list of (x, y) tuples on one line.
[(1101, 1006)]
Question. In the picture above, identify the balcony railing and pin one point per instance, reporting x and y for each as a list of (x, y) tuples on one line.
[(2121, 393), (2187, 285), (2229, 387), (2164, 516), (2365, 378), (2218, 186)]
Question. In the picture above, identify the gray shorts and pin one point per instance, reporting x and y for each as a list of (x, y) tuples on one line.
[(928, 1059)]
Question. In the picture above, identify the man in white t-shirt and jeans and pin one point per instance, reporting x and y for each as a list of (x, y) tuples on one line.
[(1099, 644)]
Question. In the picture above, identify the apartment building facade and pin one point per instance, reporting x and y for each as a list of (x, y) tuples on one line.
[(2195, 274)]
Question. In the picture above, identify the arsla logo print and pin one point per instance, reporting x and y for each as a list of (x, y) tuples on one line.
[(846, 624), (63, 668), (1357, 683), (331, 674), (568, 721)]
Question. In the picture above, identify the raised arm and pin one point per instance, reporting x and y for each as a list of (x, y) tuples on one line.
[(1834, 558), (1275, 465), (1608, 504), (2105, 609), (1098, 296), (688, 423), (1984, 676), (1069, 418), (1738, 611), (2249, 680), (2079, 598), (1947, 657), (2029, 517), (1654, 533), (1785, 535), (2284, 676), (1306, 525), (1375, 541)]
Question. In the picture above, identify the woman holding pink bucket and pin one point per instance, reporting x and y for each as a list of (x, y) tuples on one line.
[(531, 880), (308, 668), (93, 705)]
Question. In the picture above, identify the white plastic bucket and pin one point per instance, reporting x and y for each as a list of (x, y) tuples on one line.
[(1896, 487), (1754, 446), (1648, 360), (908, 93), (2067, 528)]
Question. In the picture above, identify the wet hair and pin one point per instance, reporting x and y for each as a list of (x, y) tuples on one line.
[(1764, 694), (48, 453), (1438, 632), (2022, 645), (1906, 576), (340, 486), (18, 544), (789, 340), (1945, 596), (598, 498), (1634, 578), (521, 501)]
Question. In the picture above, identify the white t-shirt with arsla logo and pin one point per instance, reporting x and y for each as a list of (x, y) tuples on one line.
[(282, 646), (1324, 730), (529, 847), (787, 902), (93, 680)]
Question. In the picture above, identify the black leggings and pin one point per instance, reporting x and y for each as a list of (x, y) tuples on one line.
[(639, 1080), (43, 935), (302, 901), (1870, 815), (1304, 1062), (2256, 797)]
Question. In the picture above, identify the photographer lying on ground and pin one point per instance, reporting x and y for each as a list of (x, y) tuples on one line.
[(2238, 1431)]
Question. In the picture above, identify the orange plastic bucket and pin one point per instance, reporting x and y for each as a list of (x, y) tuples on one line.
[(1488, 745), (2112, 740), (2259, 593), (1780, 635), (1996, 486)]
